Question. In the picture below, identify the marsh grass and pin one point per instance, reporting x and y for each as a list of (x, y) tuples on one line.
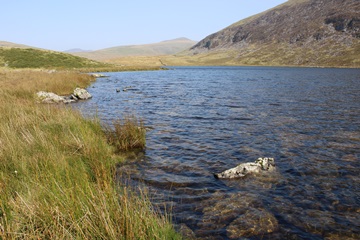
[(127, 134), (57, 170)]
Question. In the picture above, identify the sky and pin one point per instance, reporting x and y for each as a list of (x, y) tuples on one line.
[(96, 24)]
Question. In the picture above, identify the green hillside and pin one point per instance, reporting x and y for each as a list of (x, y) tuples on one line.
[(35, 58)]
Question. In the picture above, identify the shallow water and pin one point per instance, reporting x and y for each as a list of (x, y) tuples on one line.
[(203, 120)]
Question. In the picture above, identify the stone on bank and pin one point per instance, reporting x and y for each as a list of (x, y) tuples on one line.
[(49, 97), (82, 94)]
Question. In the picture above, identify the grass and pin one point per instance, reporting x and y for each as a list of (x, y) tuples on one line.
[(127, 134), (35, 58), (29, 58), (57, 170)]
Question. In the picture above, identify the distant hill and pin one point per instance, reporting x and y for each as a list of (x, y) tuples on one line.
[(298, 32), (162, 48), (76, 50), (13, 45), (16, 57)]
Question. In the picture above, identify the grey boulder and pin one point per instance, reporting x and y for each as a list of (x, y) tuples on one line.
[(260, 165), (82, 94)]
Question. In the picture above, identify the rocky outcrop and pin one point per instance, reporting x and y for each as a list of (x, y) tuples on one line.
[(81, 94), (98, 75), (49, 97), (260, 165), (298, 32)]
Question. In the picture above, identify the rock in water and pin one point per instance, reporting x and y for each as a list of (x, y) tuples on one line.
[(82, 94), (260, 165), (254, 222)]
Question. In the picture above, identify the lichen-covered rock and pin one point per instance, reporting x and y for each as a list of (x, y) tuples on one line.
[(82, 94), (49, 97), (254, 222), (260, 165)]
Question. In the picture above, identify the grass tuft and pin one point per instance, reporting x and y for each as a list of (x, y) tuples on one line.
[(127, 134)]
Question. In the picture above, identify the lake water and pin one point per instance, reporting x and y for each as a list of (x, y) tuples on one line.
[(203, 120)]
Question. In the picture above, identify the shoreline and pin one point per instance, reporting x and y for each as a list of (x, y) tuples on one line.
[(57, 169)]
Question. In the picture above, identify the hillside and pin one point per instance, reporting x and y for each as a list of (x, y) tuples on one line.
[(298, 32), (162, 48), (76, 50), (36, 58), (13, 45)]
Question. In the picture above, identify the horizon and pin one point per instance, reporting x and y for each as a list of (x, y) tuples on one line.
[(93, 25)]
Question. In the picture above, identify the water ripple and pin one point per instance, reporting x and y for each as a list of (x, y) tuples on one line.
[(207, 119)]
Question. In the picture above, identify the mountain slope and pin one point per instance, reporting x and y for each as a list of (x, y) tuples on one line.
[(161, 48), (298, 32)]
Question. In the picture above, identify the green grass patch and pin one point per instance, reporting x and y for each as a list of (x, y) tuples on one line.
[(35, 58), (29, 58)]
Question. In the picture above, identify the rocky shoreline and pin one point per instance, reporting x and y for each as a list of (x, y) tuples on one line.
[(49, 97)]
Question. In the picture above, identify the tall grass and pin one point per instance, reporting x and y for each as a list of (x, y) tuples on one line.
[(127, 134), (57, 170)]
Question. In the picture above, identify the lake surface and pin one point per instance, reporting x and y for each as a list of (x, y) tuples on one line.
[(203, 120)]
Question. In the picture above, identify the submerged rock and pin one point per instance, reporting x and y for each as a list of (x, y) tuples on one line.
[(186, 232), (253, 222), (260, 165), (236, 215)]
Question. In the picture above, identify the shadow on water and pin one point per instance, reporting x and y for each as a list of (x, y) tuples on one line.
[(203, 120)]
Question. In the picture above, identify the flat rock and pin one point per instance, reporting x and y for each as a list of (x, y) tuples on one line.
[(49, 97)]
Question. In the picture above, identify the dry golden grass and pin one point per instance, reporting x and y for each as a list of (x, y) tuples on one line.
[(57, 170), (127, 134), (61, 82)]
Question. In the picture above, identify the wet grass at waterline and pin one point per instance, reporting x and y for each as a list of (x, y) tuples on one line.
[(127, 134), (57, 170)]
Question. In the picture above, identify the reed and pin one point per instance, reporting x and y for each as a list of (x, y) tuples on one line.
[(127, 134), (57, 170)]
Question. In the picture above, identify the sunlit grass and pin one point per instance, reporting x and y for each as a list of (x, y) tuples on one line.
[(127, 134), (57, 170), (280, 54)]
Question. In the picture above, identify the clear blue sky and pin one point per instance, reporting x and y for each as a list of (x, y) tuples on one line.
[(96, 24)]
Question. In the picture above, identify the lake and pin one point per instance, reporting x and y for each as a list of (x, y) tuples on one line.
[(203, 120)]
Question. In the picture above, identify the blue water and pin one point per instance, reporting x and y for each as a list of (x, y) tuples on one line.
[(202, 120)]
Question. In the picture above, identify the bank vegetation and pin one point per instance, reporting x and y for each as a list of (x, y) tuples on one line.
[(57, 169)]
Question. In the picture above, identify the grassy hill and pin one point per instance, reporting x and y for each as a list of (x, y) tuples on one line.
[(36, 58), (13, 45), (296, 33), (162, 48)]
